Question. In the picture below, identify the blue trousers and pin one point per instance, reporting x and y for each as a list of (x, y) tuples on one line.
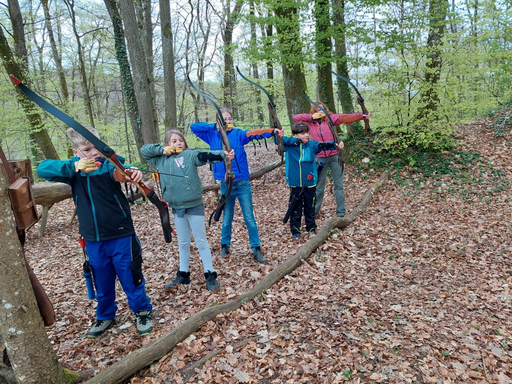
[(115, 258), (241, 190)]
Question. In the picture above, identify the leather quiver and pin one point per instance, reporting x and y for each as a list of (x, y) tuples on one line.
[(23, 203)]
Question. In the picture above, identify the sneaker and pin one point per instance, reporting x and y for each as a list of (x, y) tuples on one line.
[(224, 250), (99, 328), (257, 255), (181, 278), (144, 323), (211, 281), (296, 235)]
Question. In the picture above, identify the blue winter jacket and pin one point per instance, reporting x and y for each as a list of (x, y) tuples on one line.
[(301, 168), (102, 208), (237, 139)]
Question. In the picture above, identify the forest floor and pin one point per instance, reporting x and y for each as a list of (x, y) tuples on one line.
[(418, 289)]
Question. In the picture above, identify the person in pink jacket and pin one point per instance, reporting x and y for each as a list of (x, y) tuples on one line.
[(318, 125)]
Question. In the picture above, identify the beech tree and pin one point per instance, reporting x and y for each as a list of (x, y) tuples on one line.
[(30, 352)]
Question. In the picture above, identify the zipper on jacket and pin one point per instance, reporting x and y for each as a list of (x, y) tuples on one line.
[(93, 208), (119, 203)]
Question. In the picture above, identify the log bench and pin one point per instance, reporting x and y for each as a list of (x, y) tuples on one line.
[(47, 193)]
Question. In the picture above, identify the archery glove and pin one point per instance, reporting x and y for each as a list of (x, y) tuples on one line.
[(86, 165), (172, 150), (209, 157), (318, 115)]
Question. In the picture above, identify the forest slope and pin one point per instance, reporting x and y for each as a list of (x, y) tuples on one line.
[(417, 289)]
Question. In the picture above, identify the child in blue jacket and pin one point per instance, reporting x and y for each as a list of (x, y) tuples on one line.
[(106, 225), (241, 186), (301, 175)]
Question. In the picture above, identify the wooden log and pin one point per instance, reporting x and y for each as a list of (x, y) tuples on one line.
[(50, 192), (158, 348), (254, 175)]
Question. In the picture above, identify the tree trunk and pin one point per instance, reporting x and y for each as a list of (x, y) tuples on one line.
[(427, 111), (268, 29), (12, 66), (324, 53), (28, 347), (126, 75), (254, 65), (229, 68), (141, 80), (288, 30), (158, 348), (83, 73), (143, 8), (170, 119), (340, 56), (55, 53)]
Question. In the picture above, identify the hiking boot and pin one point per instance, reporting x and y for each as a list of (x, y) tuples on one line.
[(181, 278), (224, 250), (211, 281), (144, 322), (99, 328), (257, 255)]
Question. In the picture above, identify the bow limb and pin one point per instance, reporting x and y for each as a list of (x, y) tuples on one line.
[(104, 149), (360, 101), (334, 132), (229, 176), (272, 109)]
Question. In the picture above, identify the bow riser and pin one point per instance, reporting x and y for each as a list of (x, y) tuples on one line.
[(230, 177)]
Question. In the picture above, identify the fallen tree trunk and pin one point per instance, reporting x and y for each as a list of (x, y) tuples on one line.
[(254, 175), (157, 349)]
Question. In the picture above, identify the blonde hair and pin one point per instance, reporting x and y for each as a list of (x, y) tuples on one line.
[(77, 139), (171, 132)]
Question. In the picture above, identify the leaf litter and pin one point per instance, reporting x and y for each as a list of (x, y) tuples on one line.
[(417, 289)]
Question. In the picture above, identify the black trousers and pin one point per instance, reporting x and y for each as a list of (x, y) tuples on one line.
[(303, 199)]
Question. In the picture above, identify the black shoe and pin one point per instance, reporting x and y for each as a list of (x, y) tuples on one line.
[(224, 250), (211, 281), (257, 255), (181, 278), (99, 328)]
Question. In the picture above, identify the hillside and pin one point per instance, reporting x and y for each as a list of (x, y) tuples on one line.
[(417, 290)]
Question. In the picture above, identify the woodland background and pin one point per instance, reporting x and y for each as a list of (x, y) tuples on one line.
[(424, 68)]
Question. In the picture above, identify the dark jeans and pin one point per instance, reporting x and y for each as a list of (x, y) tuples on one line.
[(303, 198)]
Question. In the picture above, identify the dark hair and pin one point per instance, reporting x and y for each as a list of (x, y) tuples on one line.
[(299, 128), (171, 132)]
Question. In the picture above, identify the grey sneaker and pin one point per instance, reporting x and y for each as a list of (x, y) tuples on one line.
[(99, 328), (144, 323), (257, 255), (224, 250)]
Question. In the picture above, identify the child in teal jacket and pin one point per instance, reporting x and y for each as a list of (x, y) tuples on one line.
[(301, 175), (183, 190)]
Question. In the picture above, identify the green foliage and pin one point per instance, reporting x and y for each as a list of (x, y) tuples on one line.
[(469, 174), (402, 139)]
